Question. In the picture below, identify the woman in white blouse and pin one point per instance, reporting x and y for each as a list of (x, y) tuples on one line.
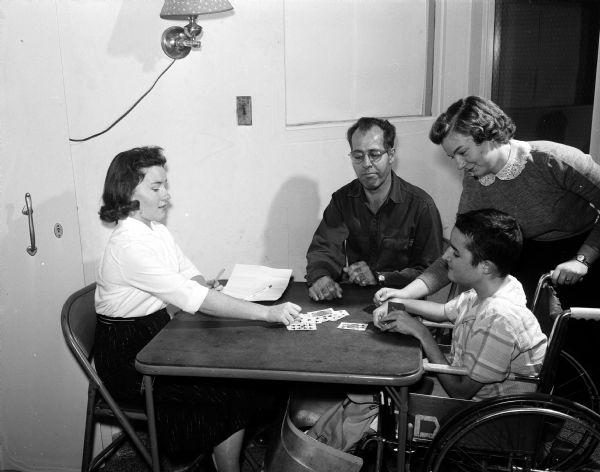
[(144, 278)]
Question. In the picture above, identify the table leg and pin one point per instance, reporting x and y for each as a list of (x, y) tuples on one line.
[(401, 400), (151, 422)]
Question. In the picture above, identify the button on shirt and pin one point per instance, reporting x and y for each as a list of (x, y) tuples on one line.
[(400, 240), (142, 270)]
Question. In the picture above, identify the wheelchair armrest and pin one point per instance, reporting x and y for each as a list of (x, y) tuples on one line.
[(434, 324), (443, 368), (581, 313), (524, 378)]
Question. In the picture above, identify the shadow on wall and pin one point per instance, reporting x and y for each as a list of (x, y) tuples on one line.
[(293, 218)]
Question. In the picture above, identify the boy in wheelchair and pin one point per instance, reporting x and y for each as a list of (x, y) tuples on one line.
[(494, 334)]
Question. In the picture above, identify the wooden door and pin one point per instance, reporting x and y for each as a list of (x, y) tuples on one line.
[(42, 390)]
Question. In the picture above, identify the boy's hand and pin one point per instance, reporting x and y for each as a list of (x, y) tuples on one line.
[(401, 322), (379, 313), (384, 294)]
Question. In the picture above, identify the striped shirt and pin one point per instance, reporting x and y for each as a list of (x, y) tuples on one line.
[(495, 337)]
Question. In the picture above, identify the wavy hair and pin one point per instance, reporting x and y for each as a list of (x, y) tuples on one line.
[(474, 116), (124, 174)]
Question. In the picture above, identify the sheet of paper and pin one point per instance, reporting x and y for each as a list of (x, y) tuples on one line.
[(257, 283)]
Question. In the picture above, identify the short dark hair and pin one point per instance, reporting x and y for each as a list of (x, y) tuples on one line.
[(492, 236), (123, 176), (366, 123), (474, 116)]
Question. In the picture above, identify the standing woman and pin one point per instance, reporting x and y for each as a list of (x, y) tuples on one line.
[(143, 279), (553, 191)]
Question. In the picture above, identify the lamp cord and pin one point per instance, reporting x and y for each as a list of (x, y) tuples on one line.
[(127, 112)]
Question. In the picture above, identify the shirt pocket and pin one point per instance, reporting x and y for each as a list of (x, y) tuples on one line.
[(394, 252)]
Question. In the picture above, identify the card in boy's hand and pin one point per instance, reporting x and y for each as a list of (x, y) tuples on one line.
[(395, 306)]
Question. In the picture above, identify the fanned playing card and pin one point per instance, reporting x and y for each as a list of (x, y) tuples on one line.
[(302, 325)]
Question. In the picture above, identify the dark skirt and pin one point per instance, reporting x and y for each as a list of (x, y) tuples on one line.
[(539, 257), (192, 414)]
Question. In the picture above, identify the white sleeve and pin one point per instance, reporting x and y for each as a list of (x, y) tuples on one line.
[(141, 267)]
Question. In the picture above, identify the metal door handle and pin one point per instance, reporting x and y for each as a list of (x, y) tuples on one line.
[(28, 210)]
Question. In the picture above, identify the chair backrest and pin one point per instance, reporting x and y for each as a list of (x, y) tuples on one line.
[(78, 321)]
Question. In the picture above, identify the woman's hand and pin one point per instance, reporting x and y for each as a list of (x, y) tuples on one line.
[(569, 273), (214, 284), (285, 313)]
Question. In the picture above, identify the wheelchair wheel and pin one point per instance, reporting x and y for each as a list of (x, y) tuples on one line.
[(530, 432), (575, 384)]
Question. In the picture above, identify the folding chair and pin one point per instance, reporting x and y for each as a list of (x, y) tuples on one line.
[(78, 320)]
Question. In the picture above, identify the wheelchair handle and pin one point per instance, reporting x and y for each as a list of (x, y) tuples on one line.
[(584, 313)]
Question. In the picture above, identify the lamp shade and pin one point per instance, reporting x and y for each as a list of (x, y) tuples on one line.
[(181, 9)]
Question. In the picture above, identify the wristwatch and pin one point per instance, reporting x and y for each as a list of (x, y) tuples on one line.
[(581, 258), (380, 278)]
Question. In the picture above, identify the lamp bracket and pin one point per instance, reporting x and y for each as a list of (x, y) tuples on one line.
[(177, 42)]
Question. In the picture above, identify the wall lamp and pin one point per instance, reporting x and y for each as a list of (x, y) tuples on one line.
[(177, 42)]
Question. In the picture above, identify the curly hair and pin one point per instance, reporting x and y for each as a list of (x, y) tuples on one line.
[(474, 116), (493, 236), (365, 124), (124, 174)]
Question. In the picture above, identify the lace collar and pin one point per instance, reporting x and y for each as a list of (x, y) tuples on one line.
[(511, 170)]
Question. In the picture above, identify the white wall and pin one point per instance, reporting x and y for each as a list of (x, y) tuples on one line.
[(240, 194)]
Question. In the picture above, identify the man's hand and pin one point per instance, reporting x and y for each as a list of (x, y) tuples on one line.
[(359, 273), (325, 288)]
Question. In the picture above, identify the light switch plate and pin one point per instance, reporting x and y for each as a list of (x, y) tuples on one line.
[(244, 110)]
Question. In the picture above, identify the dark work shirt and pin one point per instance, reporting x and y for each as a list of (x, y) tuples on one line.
[(399, 241)]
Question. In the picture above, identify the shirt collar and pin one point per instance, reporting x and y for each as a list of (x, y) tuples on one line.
[(132, 224), (514, 166), (396, 193), (511, 292)]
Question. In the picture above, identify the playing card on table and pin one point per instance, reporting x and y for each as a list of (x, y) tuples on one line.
[(317, 316), (336, 315), (302, 325), (325, 311), (308, 318), (354, 326)]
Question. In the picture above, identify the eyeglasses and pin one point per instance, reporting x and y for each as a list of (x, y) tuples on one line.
[(374, 155)]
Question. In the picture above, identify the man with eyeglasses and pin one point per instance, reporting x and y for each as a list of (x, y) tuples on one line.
[(378, 229)]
